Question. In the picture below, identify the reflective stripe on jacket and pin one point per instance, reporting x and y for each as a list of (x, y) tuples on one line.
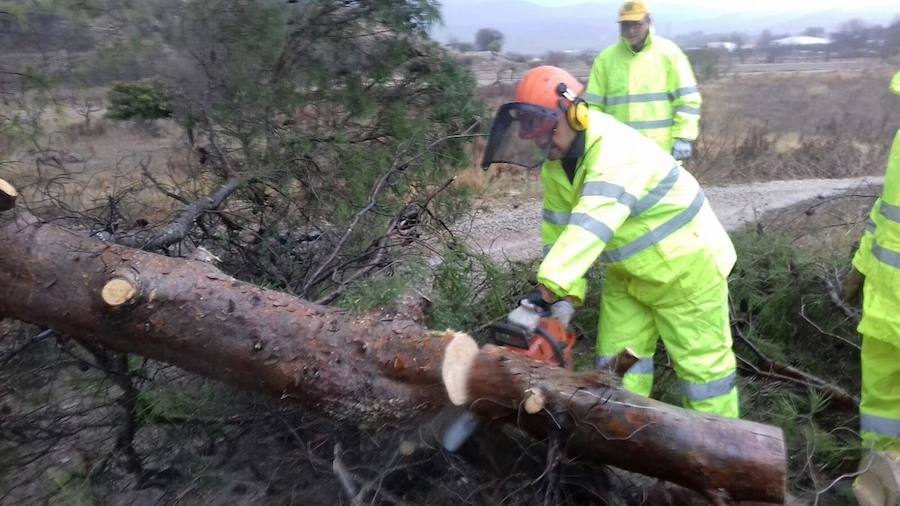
[(864, 253), (630, 203), (653, 91), (881, 319)]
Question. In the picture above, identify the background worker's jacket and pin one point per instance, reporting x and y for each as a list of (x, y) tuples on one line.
[(653, 91), (630, 202), (864, 252), (878, 258)]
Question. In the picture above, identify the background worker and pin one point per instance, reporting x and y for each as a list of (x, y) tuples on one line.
[(878, 259), (612, 194), (646, 82)]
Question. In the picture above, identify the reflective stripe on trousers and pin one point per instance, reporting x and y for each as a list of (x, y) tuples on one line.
[(881, 425), (692, 391), (702, 392)]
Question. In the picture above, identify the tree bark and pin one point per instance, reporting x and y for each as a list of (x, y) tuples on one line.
[(177, 230), (604, 422), (363, 367)]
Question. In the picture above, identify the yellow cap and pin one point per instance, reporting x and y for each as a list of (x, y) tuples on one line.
[(633, 10), (895, 84)]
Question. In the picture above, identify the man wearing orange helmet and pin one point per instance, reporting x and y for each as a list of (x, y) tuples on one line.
[(612, 194)]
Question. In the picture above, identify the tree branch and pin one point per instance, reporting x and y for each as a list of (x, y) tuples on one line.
[(177, 230), (789, 374), (317, 276)]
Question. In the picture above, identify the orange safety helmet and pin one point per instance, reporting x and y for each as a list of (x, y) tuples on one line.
[(522, 131), (539, 86)]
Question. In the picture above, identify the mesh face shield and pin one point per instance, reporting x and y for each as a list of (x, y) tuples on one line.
[(521, 135)]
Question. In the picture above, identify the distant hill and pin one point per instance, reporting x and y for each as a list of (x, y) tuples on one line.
[(532, 28)]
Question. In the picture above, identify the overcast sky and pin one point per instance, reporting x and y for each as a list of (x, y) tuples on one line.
[(737, 6)]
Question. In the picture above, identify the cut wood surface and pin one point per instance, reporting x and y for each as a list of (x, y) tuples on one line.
[(366, 367), (8, 196), (609, 424)]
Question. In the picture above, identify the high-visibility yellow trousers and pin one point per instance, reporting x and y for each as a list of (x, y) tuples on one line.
[(690, 314), (879, 409)]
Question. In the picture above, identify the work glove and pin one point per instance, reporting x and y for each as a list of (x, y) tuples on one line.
[(529, 312), (682, 149), (563, 311), (533, 308)]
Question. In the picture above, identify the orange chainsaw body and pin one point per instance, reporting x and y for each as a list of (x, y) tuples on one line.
[(557, 350)]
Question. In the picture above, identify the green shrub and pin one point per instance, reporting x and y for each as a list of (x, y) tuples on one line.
[(140, 100), (708, 64), (471, 290)]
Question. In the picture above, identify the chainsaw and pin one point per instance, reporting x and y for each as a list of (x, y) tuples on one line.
[(533, 331), (549, 342)]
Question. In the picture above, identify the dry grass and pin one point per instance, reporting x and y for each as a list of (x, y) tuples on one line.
[(779, 126), (800, 103), (759, 128), (755, 128), (83, 164), (829, 226)]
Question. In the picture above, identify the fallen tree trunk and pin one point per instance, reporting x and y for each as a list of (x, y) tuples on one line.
[(609, 424), (366, 367)]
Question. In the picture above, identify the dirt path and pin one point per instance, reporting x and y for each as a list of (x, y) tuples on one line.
[(511, 229)]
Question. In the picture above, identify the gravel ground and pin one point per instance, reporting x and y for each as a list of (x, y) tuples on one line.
[(510, 229)]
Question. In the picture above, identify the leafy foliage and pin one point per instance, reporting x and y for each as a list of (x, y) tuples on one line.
[(489, 39), (336, 111), (142, 100), (343, 121), (782, 308), (470, 290)]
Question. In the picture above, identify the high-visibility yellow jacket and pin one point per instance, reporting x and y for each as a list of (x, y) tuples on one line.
[(629, 204), (653, 91), (879, 259), (864, 253)]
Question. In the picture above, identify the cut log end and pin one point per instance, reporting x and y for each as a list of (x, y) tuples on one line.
[(534, 401), (118, 292), (8, 195), (407, 448), (459, 357)]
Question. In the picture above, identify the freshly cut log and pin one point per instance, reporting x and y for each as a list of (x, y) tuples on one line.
[(363, 367), (604, 422), (8, 196)]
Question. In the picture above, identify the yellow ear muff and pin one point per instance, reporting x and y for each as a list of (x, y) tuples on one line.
[(577, 115)]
